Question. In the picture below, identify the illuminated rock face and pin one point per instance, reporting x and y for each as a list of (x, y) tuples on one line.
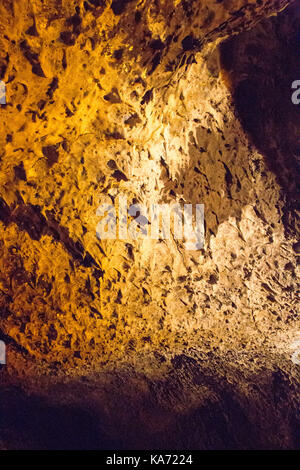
[(139, 99)]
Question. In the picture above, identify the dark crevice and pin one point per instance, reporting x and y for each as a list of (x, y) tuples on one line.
[(28, 217)]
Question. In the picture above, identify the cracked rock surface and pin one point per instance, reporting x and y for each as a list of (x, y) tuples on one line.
[(166, 101)]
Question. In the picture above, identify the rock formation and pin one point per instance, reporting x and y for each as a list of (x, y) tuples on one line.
[(141, 343)]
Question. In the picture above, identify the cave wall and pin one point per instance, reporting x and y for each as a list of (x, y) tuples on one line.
[(153, 100)]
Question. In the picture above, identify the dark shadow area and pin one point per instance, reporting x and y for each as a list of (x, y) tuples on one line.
[(192, 407), (29, 422), (262, 64), (259, 67)]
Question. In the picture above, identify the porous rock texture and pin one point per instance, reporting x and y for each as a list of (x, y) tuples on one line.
[(141, 343)]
